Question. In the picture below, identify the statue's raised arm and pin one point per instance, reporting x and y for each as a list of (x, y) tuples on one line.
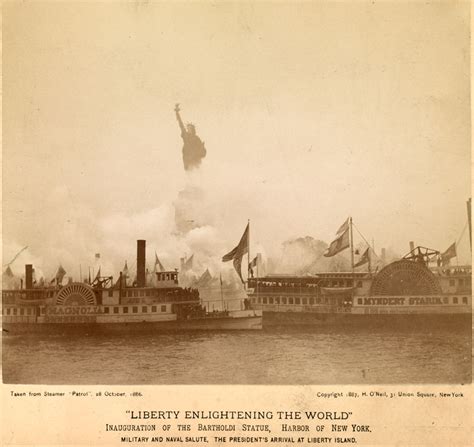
[(178, 117), (193, 148)]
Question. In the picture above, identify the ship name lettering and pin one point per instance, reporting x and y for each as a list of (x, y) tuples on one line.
[(425, 300), (399, 301)]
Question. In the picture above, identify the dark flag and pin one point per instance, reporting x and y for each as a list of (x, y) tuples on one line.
[(238, 252), (338, 244), (364, 259), (448, 254), (8, 272), (252, 265), (158, 264)]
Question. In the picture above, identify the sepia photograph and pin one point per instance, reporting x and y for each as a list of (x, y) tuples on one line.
[(236, 193)]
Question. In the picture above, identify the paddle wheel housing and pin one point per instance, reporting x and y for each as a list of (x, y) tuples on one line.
[(405, 277)]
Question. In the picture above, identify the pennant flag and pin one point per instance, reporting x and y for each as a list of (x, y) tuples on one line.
[(188, 265), (8, 272), (97, 277), (59, 275), (364, 259), (338, 244), (448, 254), (205, 278), (238, 252), (158, 264), (125, 270)]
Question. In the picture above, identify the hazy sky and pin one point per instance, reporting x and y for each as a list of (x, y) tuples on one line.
[(309, 112)]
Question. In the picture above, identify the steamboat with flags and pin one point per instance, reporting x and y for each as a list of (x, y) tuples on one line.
[(102, 305), (423, 289)]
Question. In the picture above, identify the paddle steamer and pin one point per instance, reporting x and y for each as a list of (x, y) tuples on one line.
[(104, 306)]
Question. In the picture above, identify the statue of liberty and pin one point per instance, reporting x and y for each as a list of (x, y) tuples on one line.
[(193, 148)]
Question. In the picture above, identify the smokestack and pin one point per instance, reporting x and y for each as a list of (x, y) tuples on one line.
[(412, 245), (141, 259), (28, 276)]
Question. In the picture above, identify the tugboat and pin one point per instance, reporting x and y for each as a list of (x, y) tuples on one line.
[(103, 306)]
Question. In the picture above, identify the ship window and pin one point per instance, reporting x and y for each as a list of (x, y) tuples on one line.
[(277, 300), (297, 301), (135, 293), (271, 300), (125, 310), (116, 310), (142, 293), (359, 300), (464, 299), (111, 292), (253, 300), (283, 300), (290, 300), (259, 299), (22, 311), (311, 301), (8, 311), (455, 300), (163, 308), (305, 301), (134, 309), (144, 309), (153, 308), (106, 310), (14, 311), (264, 300), (445, 300), (359, 284), (451, 282)]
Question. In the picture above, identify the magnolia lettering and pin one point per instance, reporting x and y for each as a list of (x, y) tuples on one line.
[(74, 310)]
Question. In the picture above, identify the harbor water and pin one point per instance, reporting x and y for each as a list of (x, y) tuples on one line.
[(286, 357)]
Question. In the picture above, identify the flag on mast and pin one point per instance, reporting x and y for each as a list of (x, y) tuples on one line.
[(188, 264), (364, 259), (448, 254), (59, 275), (253, 264), (341, 242), (237, 253), (158, 264)]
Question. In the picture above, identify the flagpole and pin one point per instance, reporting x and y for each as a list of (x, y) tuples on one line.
[(248, 253), (352, 246), (257, 278), (222, 294)]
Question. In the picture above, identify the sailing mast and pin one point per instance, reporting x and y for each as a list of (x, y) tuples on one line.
[(352, 246), (248, 253)]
